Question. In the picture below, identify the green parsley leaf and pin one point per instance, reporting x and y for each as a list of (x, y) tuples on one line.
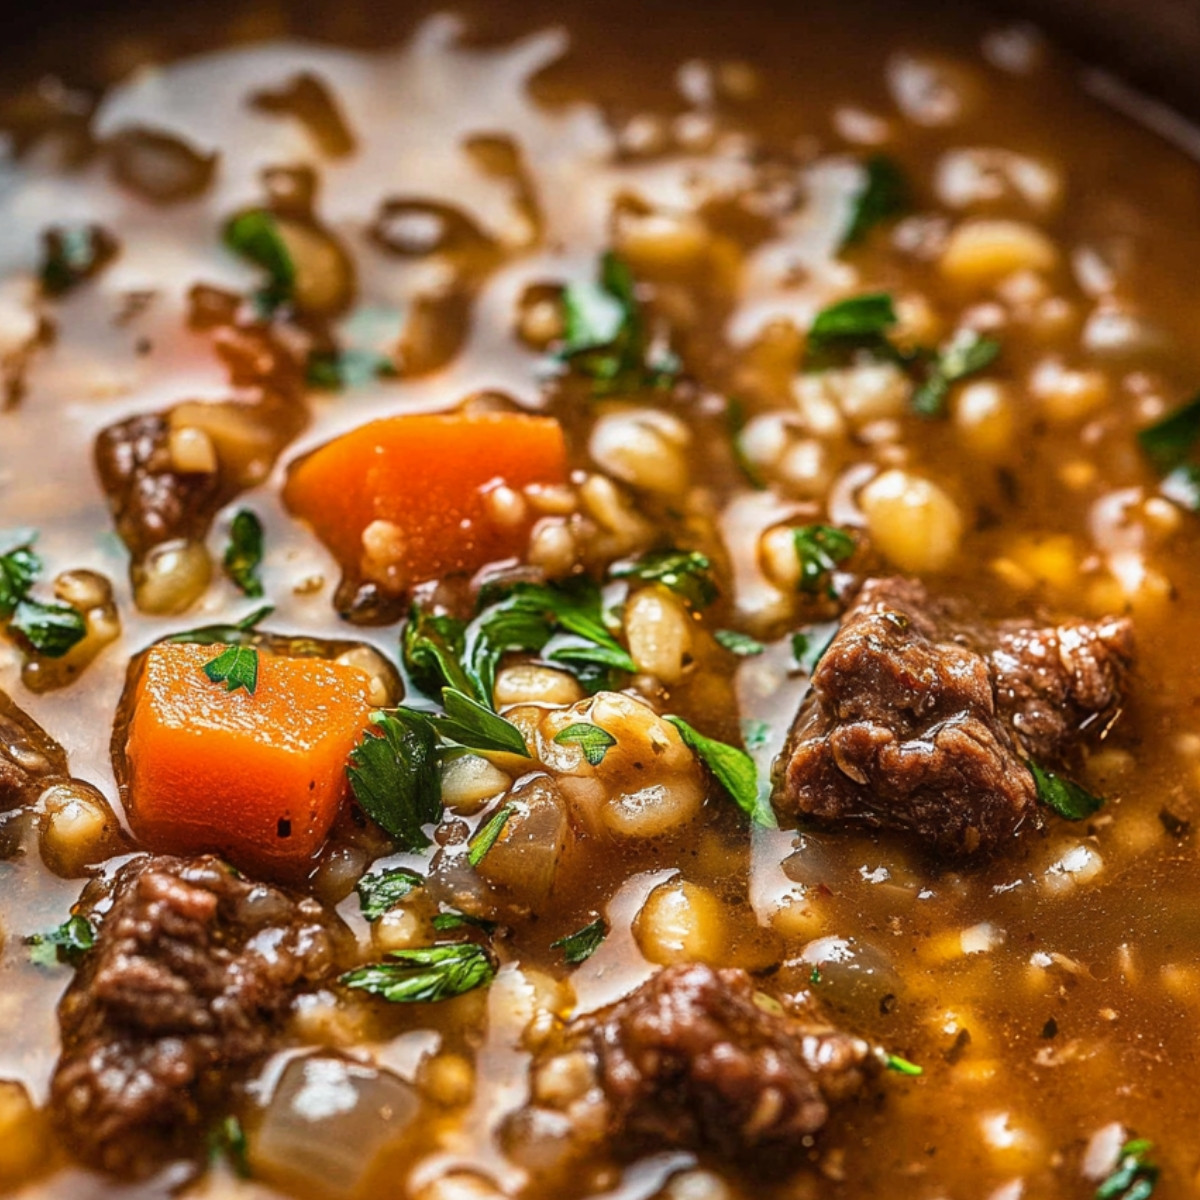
[(735, 417), (1066, 798), (394, 776), (239, 634), (604, 336), (244, 554), (486, 836), (235, 667), (227, 1140), (579, 946), (72, 254), (425, 975), (810, 644), (820, 549), (884, 194), (861, 322), (1182, 486), (255, 236), (815, 976), (66, 944), (19, 569), (688, 573), (335, 370), (454, 919), (755, 733), (51, 629), (894, 1062), (432, 647), (506, 627), (1134, 1177), (741, 644), (383, 890), (1168, 441), (591, 739), (475, 726), (733, 768), (967, 353)]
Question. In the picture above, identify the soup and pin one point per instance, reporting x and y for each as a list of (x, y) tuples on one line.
[(596, 607)]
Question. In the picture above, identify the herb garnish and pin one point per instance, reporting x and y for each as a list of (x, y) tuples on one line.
[(235, 667), (756, 733), (454, 919), (604, 334), (820, 549), (425, 975), (334, 370), (72, 254), (474, 725), (733, 768), (884, 194), (394, 776), (894, 1062), (255, 236), (591, 739), (383, 890), (1064, 797), (1134, 1177), (858, 323), (19, 570), (967, 353), (66, 944), (227, 1140), (686, 572), (810, 643), (244, 554), (51, 629), (579, 946), (1168, 441), (488, 834), (741, 644)]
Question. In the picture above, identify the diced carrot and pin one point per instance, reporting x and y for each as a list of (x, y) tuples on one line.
[(258, 778), (428, 477)]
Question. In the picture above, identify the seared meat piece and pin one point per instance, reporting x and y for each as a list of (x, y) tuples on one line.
[(922, 722), (192, 969), (694, 1059), (29, 757)]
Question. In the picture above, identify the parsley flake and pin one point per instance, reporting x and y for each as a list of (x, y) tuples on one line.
[(255, 235), (821, 549), (488, 834), (884, 194), (393, 773), (741, 644), (1168, 441), (426, 974), (1064, 797), (51, 629), (734, 769), (858, 323), (66, 944), (19, 570), (1134, 1177), (756, 733), (235, 667), (454, 919), (688, 573), (591, 739), (244, 554), (227, 1140), (902, 1066), (968, 353), (336, 370), (810, 643), (469, 723), (383, 890), (579, 946)]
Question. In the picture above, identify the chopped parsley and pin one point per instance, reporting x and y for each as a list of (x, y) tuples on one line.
[(66, 944), (488, 834), (884, 194), (50, 629), (902, 1066), (604, 334), (239, 634), (19, 570), (860, 322), (244, 554), (810, 643), (425, 975), (1135, 1175), (469, 723), (815, 976), (734, 769), (335, 370), (686, 572), (235, 667), (820, 550), (579, 946), (227, 1140), (967, 353), (393, 773), (383, 890), (454, 919), (591, 739), (432, 649), (72, 254), (1169, 441), (1064, 797), (741, 644), (255, 236), (755, 733)]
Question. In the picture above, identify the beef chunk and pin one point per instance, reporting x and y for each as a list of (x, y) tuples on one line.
[(921, 721), (192, 970), (29, 757), (695, 1059)]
